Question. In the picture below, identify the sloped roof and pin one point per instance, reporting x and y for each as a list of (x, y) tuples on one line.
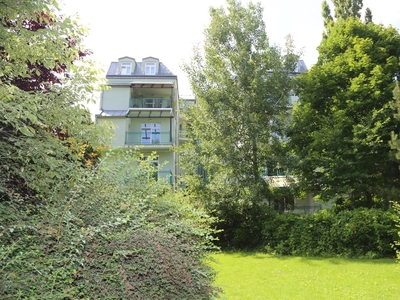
[(112, 113), (139, 71), (301, 66)]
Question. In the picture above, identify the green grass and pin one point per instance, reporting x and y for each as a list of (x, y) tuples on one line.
[(261, 276)]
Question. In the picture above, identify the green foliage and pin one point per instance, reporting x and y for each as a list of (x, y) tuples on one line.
[(343, 9), (342, 126), (363, 233), (368, 16), (68, 232), (242, 86), (395, 142), (396, 208), (45, 80), (118, 234), (241, 224), (347, 8)]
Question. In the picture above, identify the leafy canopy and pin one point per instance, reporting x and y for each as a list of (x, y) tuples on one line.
[(343, 9), (45, 80), (242, 86), (343, 123)]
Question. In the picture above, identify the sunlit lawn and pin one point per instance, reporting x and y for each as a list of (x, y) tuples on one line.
[(261, 276)]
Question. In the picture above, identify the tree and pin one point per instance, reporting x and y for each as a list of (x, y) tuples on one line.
[(343, 123), (368, 16), (343, 9), (242, 86), (395, 143), (67, 231), (45, 80), (347, 8)]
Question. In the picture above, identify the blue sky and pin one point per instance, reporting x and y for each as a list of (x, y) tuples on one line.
[(169, 29)]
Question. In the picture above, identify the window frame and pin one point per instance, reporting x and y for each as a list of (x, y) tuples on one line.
[(150, 132), (126, 68), (150, 68)]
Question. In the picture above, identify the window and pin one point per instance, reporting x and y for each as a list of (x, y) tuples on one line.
[(154, 165), (151, 133), (152, 103), (149, 103), (126, 68), (150, 69)]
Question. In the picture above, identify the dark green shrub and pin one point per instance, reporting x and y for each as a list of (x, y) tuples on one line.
[(356, 233), (241, 223), (396, 245), (277, 232)]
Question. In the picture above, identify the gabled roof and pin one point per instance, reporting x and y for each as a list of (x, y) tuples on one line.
[(139, 70), (150, 57), (301, 66), (126, 57)]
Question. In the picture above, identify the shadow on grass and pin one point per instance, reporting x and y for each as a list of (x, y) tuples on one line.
[(309, 260)]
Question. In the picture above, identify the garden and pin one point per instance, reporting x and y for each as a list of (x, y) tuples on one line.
[(81, 220)]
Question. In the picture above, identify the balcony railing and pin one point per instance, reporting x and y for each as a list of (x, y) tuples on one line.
[(148, 138), (150, 103), (164, 174)]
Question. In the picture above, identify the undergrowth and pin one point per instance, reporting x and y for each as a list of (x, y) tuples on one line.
[(116, 234)]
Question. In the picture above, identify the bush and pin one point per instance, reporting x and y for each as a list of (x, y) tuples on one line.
[(240, 223), (118, 235), (396, 245), (356, 233), (144, 264)]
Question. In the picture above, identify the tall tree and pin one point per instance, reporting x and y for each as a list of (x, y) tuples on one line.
[(347, 8), (343, 124), (395, 143), (328, 19), (368, 16), (45, 80), (242, 86), (343, 9)]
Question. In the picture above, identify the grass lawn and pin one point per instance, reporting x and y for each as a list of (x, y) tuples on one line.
[(261, 276)]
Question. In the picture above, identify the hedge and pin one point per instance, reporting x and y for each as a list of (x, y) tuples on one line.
[(362, 232)]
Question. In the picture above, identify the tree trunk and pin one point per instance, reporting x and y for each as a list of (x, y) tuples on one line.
[(369, 202)]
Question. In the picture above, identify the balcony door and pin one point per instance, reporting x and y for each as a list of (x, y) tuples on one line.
[(151, 133)]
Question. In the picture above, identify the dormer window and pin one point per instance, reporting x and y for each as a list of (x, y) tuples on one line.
[(150, 68), (126, 68)]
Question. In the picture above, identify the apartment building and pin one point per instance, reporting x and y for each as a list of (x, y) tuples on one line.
[(142, 103)]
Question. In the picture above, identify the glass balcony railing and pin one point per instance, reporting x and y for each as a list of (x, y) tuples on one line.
[(150, 103), (148, 138), (164, 174)]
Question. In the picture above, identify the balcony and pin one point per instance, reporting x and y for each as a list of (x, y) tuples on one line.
[(145, 137), (150, 108), (150, 103), (164, 175)]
